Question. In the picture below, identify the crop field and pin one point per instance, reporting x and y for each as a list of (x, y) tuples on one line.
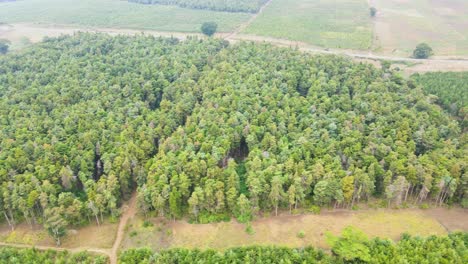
[(401, 24), (334, 24), (116, 14), (283, 230)]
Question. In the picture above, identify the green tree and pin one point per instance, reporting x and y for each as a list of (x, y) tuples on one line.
[(276, 192), (209, 28), (55, 224), (422, 51), (351, 245)]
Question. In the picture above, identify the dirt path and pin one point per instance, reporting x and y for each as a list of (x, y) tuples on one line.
[(248, 22), (129, 211), (35, 33)]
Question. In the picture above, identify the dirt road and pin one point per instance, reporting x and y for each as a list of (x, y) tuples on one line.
[(35, 33), (129, 211)]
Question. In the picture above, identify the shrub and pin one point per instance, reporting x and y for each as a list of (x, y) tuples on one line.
[(249, 229), (147, 223), (301, 234), (315, 209), (422, 51)]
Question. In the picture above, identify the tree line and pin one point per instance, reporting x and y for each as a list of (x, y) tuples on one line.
[(249, 6), (351, 247), (31, 255), (211, 130)]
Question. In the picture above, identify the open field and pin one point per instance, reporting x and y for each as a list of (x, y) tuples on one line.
[(334, 24), (91, 236), (402, 24), (116, 14), (283, 230)]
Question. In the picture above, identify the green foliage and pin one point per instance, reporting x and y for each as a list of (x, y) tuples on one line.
[(136, 256), (351, 245), (205, 218), (315, 209), (255, 254), (249, 229), (4, 46), (301, 234), (422, 51), (147, 223), (55, 223), (16, 255), (451, 90), (209, 130), (251, 6), (209, 28), (133, 233)]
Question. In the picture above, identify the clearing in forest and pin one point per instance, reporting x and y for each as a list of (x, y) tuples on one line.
[(402, 24), (283, 230), (116, 14), (333, 24)]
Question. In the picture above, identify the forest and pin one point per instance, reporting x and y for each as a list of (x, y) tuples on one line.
[(10, 255), (451, 90), (351, 247), (207, 130), (249, 6)]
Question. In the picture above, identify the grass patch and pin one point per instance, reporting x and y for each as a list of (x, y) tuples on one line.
[(116, 14), (287, 230), (333, 24), (401, 25)]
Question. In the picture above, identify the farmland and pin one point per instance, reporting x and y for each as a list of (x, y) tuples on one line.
[(334, 24), (401, 24), (116, 14)]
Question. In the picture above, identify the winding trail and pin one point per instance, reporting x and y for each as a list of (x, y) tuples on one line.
[(128, 211)]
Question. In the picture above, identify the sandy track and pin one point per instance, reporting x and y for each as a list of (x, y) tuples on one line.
[(129, 211), (36, 32)]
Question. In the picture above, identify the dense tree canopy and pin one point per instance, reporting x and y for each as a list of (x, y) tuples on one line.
[(251, 6), (206, 129), (451, 89)]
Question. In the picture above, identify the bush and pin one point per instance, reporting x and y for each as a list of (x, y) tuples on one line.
[(209, 28), (422, 51), (315, 209), (133, 234), (424, 206), (147, 223), (301, 234), (249, 229), (206, 218), (4, 46)]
